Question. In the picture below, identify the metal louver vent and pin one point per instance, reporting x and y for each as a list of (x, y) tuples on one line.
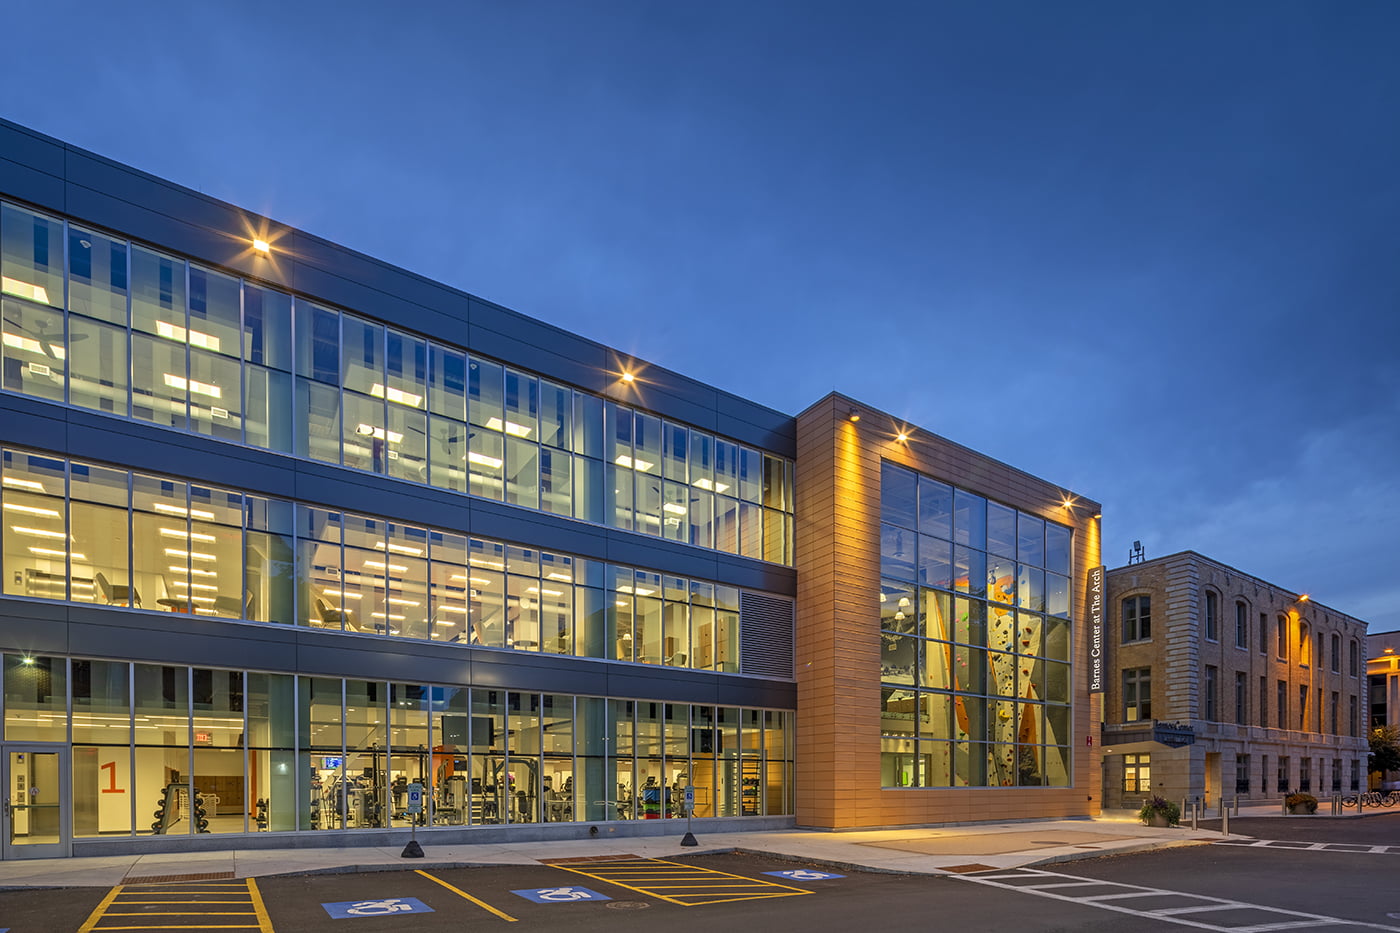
[(766, 635)]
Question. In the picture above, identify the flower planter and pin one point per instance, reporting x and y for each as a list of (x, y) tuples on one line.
[(1301, 809), (1159, 820)]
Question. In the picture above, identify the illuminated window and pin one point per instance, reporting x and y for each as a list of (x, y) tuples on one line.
[(1137, 774)]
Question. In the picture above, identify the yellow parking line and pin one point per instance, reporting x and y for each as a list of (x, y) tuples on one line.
[(259, 908), (108, 915), (182, 902), (149, 926), (99, 910), (458, 891), (686, 884)]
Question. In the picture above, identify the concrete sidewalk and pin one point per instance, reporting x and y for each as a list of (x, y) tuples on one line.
[(930, 850)]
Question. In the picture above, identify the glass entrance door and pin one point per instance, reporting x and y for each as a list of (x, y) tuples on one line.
[(34, 819)]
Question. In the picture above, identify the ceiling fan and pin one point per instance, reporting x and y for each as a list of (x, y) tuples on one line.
[(47, 339)]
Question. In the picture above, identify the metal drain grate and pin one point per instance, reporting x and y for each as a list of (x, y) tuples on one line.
[(172, 879)]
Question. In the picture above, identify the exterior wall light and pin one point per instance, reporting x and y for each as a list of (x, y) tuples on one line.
[(628, 377), (853, 414), (1302, 597), (261, 246), (902, 437)]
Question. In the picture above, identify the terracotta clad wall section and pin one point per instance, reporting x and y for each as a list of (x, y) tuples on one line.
[(838, 663)]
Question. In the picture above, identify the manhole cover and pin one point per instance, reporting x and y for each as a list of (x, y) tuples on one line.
[(627, 905)]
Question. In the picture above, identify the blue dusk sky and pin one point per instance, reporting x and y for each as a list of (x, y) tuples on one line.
[(1149, 251)]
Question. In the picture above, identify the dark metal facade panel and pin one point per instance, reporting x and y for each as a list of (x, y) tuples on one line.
[(38, 627), (33, 627), (370, 299), (651, 553), (515, 670), (757, 424), (679, 687), (33, 150), (555, 340), (25, 183), (514, 350), (687, 410), (86, 170), (310, 251), (201, 460), (539, 529), (34, 423), (176, 638), (755, 575)]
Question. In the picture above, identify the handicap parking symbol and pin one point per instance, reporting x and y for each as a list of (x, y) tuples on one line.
[(560, 895), (804, 874), (381, 907)]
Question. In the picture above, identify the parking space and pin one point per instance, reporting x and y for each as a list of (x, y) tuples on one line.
[(583, 894), (224, 905), (693, 893), (684, 883)]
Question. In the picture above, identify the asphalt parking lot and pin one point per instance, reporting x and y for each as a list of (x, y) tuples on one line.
[(698, 893)]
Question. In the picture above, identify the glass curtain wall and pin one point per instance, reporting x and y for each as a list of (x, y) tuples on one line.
[(146, 541), (174, 750), (141, 334), (975, 639)]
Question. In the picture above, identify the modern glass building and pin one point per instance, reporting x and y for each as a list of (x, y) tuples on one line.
[(287, 530)]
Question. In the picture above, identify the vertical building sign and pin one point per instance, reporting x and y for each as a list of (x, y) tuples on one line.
[(1096, 645)]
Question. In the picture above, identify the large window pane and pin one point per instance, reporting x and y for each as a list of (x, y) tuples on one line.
[(97, 278), (36, 698), (267, 407), (270, 705), (267, 327), (217, 699), (31, 256), (158, 294), (215, 312), (33, 354), (35, 533), (216, 395), (98, 372), (159, 385)]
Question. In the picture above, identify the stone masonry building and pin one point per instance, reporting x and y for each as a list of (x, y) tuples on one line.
[(1221, 685)]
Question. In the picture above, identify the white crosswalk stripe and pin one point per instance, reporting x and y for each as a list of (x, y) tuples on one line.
[(1191, 910), (1310, 846)]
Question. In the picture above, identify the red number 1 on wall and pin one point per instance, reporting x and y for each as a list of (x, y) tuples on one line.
[(111, 788)]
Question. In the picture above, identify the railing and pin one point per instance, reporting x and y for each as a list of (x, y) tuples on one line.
[(1372, 799)]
